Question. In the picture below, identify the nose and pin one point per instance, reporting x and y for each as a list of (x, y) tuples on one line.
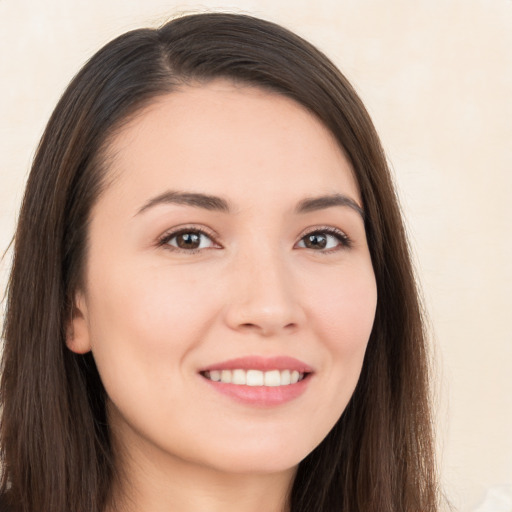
[(262, 297)]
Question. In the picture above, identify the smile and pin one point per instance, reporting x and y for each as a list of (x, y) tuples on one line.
[(240, 377), (259, 381)]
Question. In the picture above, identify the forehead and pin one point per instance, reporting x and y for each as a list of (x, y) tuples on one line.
[(221, 138)]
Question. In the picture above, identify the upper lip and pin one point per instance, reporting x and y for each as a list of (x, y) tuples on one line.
[(260, 363)]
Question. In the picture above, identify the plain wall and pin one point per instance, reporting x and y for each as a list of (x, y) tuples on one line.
[(436, 77)]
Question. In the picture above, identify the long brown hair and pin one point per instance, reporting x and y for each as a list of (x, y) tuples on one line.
[(55, 440)]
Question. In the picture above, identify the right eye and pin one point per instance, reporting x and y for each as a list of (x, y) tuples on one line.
[(190, 240)]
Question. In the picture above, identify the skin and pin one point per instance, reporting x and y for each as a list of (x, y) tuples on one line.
[(154, 315)]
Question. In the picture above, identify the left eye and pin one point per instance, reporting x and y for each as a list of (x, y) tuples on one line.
[(189, 240), (323, 240)]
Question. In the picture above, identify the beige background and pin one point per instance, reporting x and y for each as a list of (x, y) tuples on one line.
[(437, 78)]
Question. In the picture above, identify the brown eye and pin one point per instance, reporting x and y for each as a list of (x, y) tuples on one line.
[(324, 240), (189, 240), (315, 241)]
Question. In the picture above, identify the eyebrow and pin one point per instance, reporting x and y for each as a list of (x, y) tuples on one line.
[(312, 204), (197, 200), (215, 203)]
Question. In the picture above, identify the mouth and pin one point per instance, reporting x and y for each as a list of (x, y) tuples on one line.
[(259, 381), (253, 377)]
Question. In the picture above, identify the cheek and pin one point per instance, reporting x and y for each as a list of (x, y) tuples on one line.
[(342, 316), (142, 323), (344, 308)]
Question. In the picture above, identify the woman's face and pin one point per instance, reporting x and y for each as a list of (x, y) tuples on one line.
[(228, 245)]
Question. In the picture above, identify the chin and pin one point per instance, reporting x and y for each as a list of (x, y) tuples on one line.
[(258, 465), (261, 457)]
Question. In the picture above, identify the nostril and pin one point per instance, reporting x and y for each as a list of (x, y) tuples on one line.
[(264, 315)]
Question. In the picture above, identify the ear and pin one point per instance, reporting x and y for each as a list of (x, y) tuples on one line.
[(77, 329)]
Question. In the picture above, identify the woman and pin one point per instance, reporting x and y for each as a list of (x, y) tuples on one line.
[(212, 303)]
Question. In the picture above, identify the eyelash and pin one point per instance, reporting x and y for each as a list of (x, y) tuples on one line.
[(344, 241), (167, 237)]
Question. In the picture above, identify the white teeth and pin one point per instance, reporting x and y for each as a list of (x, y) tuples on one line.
[(272, 378), (285, 377), (225, 376), (238, 377), (214, 375), (254, 378)]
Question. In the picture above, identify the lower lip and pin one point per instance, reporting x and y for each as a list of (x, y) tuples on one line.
[(262, 396)]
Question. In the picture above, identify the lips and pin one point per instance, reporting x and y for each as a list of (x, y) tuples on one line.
[(262, 364), (259, 380)]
